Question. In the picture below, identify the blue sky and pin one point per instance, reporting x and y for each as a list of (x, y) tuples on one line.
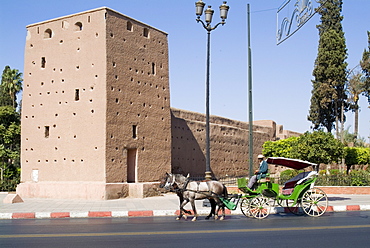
[(281, 74)]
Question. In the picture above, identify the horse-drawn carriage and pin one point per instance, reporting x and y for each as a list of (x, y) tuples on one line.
[(298, 195)]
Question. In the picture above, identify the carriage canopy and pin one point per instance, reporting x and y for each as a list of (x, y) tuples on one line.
[(290, 162)]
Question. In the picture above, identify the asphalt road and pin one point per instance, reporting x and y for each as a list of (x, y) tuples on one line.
[(349, 229)]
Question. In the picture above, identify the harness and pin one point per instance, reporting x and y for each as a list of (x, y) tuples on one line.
[(180, 190), (198, 191), (183, 189)]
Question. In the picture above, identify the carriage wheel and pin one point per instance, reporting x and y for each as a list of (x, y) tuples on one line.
[(294, 209), (260, 207), (314, 202), (244, 206)]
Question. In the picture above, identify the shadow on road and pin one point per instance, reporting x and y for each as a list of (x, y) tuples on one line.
[(336, 198)]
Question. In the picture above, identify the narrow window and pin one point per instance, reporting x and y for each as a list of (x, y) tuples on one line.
[(77, 95), (65, 24), (43, 62), (153, 68), (129, 26), (48, 33), (146, 32), (78, 26), (47, 130), (134, 131)]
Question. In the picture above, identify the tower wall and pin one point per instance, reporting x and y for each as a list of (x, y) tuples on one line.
[(63, 105), (138, 96), (95, 108)]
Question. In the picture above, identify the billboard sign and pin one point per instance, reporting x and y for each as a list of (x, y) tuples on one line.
[(292, 15)]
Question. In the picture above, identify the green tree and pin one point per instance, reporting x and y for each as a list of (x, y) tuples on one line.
[(365, 65), (11, 84), (357, 155), (279, 148), (318, 147), (328, 93), (10, 132)]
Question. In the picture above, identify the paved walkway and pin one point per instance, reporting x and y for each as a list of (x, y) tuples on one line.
[(166, 205)]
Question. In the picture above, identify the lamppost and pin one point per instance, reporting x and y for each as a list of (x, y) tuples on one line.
[(207, 25)]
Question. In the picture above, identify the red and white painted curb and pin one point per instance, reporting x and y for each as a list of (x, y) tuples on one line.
[(146, 213)]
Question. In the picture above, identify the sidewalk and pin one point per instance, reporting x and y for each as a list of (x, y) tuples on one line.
[(166, 205)]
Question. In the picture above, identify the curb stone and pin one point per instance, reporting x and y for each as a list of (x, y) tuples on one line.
[(148, 213)]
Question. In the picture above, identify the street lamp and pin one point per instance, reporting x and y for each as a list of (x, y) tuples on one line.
[(224, 8)]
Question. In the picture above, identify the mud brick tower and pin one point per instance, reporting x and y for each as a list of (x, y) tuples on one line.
[(96, 118)]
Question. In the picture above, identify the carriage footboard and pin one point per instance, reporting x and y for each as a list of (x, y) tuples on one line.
[(232, 201)]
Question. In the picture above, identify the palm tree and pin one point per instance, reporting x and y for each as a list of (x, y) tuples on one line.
[(355, 88), (365, 66), (11, 83)]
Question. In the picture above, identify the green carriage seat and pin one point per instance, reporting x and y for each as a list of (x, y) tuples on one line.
[(297, 180), (242, 185), (264, 179)]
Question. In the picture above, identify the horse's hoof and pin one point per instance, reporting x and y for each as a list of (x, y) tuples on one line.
[(222, 218), (194, 219), (216, 217), (207, 218), (178, 218), (185, 217)]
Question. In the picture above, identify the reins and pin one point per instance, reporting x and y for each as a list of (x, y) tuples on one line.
[(184, 188)]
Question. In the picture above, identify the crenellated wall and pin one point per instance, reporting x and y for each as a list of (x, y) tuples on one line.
[(229, 143)]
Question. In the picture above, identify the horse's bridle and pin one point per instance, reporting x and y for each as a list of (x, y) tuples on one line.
[(169, 185), (173, 186)]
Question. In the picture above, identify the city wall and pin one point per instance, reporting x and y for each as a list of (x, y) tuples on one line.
[(229, 143)]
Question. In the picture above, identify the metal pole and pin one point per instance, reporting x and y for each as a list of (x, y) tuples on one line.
[(250, 97), (208, 174), (207, 26)]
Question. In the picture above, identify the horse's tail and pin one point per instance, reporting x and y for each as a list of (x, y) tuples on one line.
[(225, 194)]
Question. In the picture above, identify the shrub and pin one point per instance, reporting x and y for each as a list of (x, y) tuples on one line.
[(357, 155), (355, 178), (359, 178), (334, 172)]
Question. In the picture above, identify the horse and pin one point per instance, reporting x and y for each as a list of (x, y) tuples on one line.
[(189, 191)]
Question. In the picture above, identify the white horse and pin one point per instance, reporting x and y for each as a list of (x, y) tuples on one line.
[(189, 191)]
